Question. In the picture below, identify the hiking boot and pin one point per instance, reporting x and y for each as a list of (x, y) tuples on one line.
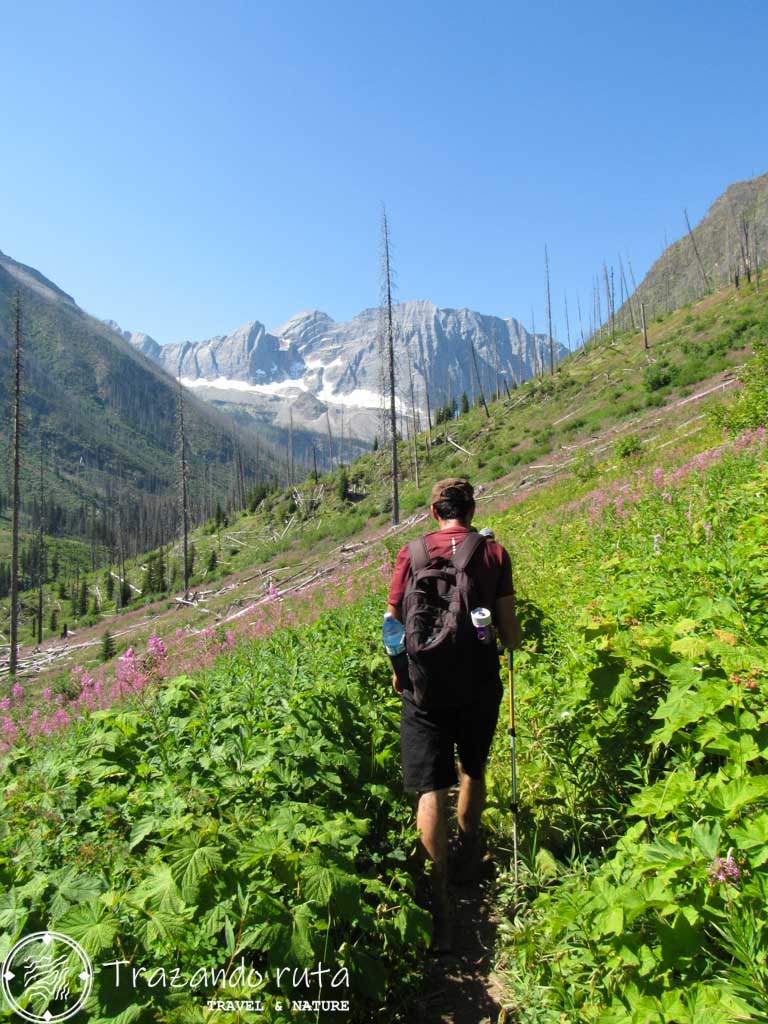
[(467, 858)]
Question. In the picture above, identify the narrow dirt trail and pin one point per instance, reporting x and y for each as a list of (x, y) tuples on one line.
[(460, 987)]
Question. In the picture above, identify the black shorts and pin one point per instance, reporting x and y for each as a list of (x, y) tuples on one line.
[(430, 739)]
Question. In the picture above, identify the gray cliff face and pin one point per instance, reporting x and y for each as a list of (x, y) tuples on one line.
[(248, 354), (317, 366)]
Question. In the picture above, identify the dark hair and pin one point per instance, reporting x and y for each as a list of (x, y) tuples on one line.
[(454, 505)]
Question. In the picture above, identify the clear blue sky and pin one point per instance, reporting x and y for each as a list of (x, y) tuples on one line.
[(185, 167)]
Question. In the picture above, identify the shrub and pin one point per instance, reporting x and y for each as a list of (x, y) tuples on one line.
[(658, 376), (628, 446), (750, 409)]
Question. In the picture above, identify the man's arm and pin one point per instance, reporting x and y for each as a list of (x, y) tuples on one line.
[(507, 622)]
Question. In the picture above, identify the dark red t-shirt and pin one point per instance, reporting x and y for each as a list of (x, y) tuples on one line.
[(490, 569)]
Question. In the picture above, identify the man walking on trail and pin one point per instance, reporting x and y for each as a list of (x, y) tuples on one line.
[(458, 714)]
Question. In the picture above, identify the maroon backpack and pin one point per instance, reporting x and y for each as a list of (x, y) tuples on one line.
[(447, 662)]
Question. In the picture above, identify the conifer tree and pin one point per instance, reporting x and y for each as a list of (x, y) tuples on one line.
[(160, 583), (107, 646)]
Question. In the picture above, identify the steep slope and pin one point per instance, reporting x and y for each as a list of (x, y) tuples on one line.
[(104, 412), (733, 236)]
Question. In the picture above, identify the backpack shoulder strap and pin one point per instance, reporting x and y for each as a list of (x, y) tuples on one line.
[(467, 549), (419, 554)]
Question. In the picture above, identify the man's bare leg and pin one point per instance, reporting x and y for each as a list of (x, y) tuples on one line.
[(469, 852), (431, 821), (471, 803)]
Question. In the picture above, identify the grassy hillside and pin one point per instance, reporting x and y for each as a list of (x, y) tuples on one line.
[(606, 399), (644, 744), (228, 787)]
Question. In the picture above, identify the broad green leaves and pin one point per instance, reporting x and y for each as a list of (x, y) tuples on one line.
[(643, 698), (254, 811)]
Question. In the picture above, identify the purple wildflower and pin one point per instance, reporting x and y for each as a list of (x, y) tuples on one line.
[(724, 869)]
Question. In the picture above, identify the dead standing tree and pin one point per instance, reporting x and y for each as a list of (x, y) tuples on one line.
[(41, 552), (707, 285), (183, 483), (16, 500), (549, 319), (477, 375), (388, 342)]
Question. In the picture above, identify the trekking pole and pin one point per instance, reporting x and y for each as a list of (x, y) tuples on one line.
[(511, 731)]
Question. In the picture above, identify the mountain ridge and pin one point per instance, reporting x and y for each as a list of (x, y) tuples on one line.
[(339, 364), (676, 277)]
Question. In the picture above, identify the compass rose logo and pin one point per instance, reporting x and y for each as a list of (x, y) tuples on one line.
[(46, 977)]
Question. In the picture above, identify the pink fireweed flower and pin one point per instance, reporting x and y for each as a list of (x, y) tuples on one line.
[(157, 647), (47, 693), (724, 870), (5, 704), (18, 691), (273, 593)]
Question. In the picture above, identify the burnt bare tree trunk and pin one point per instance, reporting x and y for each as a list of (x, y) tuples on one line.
[(707, 286), (390, 360), (645, 328), (757, 264), (496, 360), (626, 289), (598, 308), (183, 484), (549, 318), (290, 446), (41, 559), (16, 499), (415, 423), (330, 440), (477, 375), (567, 323), (241, 496), (746, 255), (535, 353), (429, 412), (581, 325)]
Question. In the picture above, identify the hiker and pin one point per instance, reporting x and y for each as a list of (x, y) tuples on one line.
[(457, 711)]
